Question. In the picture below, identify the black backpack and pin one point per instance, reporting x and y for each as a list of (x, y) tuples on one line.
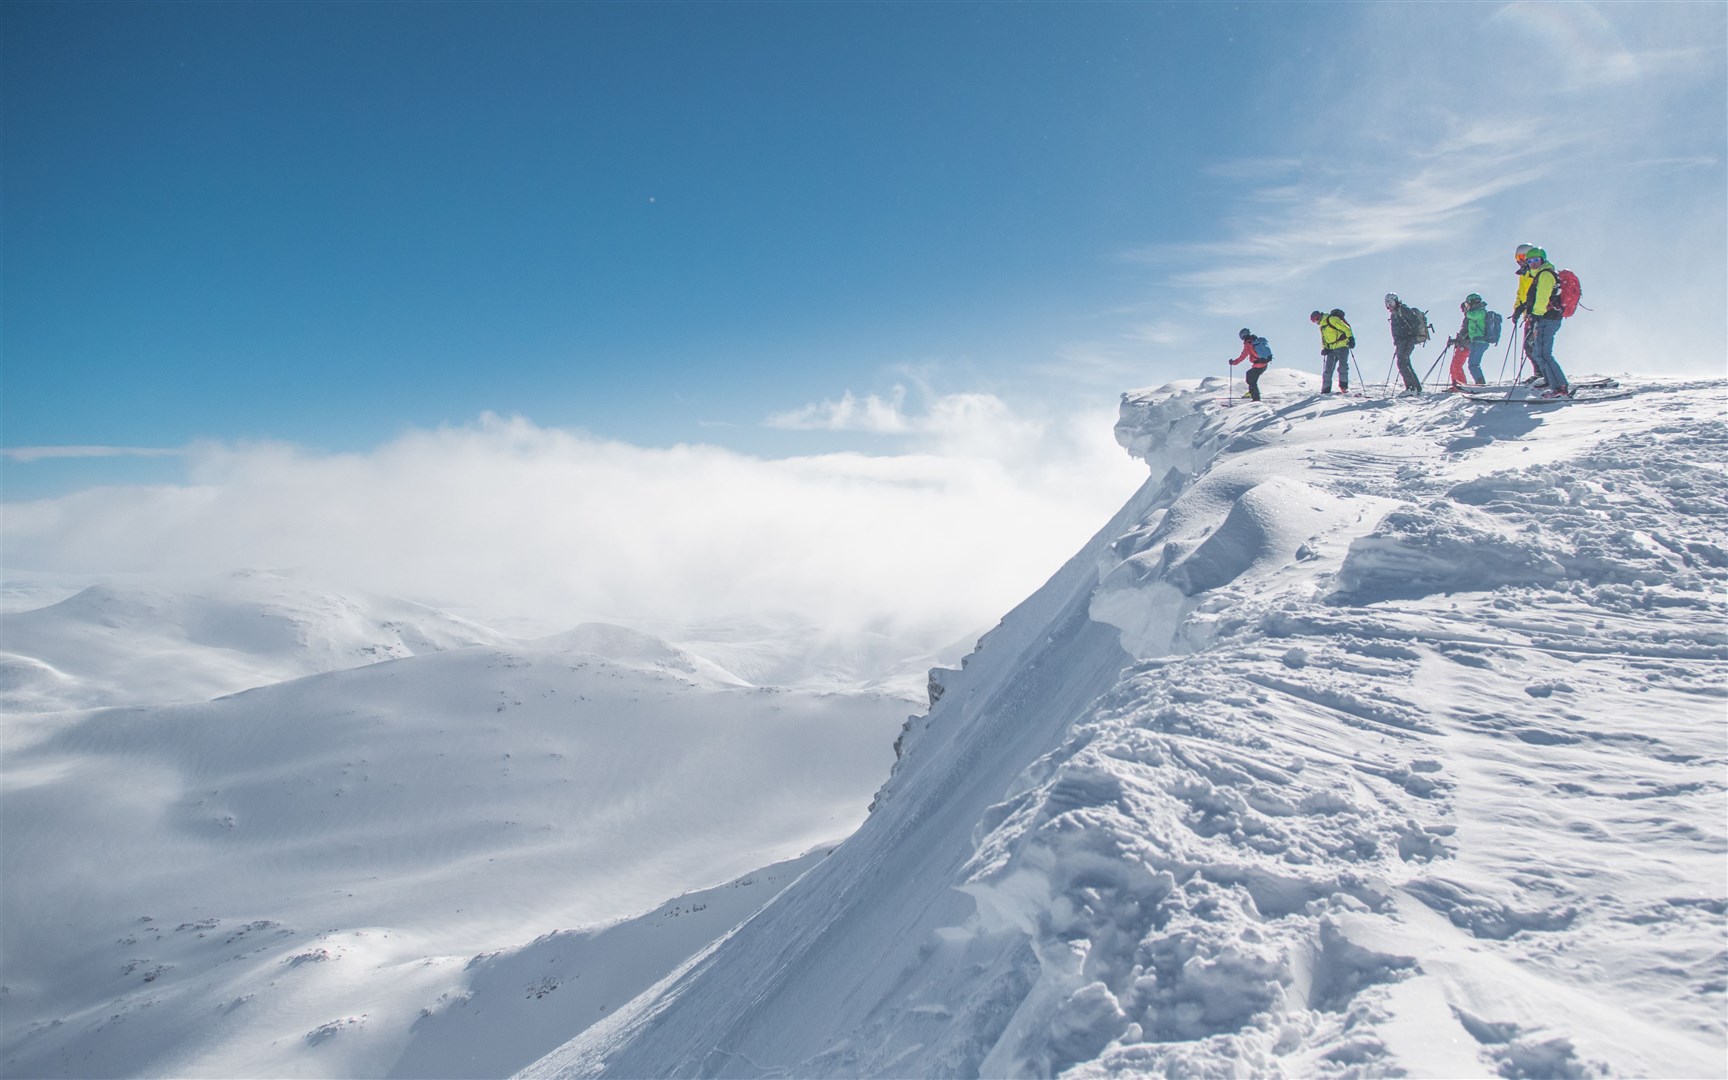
[(1414, 320)]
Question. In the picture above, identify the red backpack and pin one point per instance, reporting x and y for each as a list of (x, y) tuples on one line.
[(1567, 292)]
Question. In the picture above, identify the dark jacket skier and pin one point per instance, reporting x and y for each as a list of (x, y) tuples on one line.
[(1409, 327)]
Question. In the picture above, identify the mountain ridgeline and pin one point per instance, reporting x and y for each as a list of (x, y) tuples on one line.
[(1368, 737)]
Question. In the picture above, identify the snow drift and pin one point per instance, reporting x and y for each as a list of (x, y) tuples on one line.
[(1370, 737)]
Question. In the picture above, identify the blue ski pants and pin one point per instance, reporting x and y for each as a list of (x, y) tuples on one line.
[(1477, 348), (1542, 352)]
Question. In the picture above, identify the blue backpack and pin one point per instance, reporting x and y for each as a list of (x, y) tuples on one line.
[(1491, 327), (1262, 350)]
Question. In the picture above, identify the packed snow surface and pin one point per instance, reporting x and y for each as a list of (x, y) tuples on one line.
[(1372, 737)]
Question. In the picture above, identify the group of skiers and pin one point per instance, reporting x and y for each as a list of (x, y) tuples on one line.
[(1546, 294)]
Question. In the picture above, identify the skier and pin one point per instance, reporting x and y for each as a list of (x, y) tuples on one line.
[(1471, 341), (1518, 255), (1538, 288), (1259, 353), (1409, 328), (1336, 340)]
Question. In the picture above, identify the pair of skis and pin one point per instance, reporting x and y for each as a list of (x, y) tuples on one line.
[(1583, 390)]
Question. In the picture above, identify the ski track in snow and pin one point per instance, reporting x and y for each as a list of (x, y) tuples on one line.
[(1409, 759)]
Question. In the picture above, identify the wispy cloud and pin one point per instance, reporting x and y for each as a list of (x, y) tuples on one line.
[(953, 423), (1296, 232), (24, 454), (871, 414), (1583, 49)]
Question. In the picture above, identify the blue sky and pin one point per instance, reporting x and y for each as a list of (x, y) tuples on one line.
[(798, 229), (323, 221)]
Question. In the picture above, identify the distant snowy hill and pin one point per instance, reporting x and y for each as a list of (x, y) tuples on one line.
[(307, 878), (1372, 737), (132, 644)]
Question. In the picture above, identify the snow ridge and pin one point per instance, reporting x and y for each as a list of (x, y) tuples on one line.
[(1370, 737)]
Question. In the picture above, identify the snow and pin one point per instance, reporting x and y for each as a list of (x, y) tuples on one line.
[(1370, 737), (324, 875), (1373, 737)]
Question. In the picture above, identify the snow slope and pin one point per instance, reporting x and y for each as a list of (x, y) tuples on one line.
[(316, 877), (1371, 737)]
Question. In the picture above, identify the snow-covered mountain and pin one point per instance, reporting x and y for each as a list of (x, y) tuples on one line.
[(134, 643), (1371, 737), (326, 876)]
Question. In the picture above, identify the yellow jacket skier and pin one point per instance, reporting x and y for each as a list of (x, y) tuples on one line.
[(1537, 285), (1336, 340)]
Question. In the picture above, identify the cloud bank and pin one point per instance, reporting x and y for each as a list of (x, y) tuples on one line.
[(502, 516)]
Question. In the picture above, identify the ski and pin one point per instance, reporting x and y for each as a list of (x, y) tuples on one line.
[(1522, 393), (1574, 399)]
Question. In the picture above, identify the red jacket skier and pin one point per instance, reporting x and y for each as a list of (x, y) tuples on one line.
[(1259, 353)]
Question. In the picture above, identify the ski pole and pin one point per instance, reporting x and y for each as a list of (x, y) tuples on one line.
[(1436, 362), (1230, 402), (1504, 360)]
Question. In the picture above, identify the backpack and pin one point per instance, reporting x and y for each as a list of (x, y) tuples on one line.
[(1262, 350), (1423, 329), (1491, 327), (1568, 290), (1349, 333)]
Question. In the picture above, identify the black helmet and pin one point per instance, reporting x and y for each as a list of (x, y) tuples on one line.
[(1314, 316), (1244, 333)]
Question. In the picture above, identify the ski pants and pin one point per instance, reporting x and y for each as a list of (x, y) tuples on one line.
[(1542, 333), (1477, 348), (1402, 350), (1253, 378), (1339, 360), (1468, 352)]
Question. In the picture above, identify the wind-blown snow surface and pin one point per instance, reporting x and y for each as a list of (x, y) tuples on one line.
[(1370, 738)]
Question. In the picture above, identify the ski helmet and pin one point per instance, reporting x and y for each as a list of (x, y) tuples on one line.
[(1244, 333), (1522, 251), (1536, 254), (1391, 299), (1472, 300), (1313, 316)]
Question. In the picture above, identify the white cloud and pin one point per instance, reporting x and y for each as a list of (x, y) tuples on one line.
[(870, 414), (965, 425), (515, 519)]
